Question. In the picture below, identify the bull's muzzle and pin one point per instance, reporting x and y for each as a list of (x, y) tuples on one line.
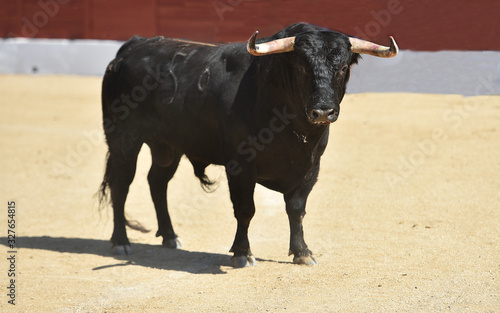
[(320, 116)]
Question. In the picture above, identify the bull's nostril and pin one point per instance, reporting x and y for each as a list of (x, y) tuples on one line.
[(315, 114), (333, 116)]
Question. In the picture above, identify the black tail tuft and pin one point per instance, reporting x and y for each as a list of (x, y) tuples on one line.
[(135, 225)]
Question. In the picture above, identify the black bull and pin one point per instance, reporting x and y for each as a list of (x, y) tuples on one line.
[(261, 111)]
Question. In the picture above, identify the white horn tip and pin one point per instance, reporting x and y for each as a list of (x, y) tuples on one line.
[(394, 46)]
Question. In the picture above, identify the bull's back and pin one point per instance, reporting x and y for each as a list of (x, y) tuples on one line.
[(173, 89), (148, 77)]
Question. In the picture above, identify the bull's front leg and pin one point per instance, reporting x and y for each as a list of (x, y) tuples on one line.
[(296, 210), (241, 188)]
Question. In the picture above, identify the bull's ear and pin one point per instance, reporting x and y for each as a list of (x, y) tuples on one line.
[(355, 59), (270, 47)]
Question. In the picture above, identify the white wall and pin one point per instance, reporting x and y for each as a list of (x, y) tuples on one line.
[(449, 72), (56, 56)]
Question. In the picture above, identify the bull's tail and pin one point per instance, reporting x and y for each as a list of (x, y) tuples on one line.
[(102, 193)]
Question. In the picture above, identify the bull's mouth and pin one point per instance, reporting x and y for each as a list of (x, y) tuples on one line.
[(323, 123)]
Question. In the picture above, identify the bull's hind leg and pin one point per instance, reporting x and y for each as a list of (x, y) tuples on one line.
[(164, 165), (120, 173)]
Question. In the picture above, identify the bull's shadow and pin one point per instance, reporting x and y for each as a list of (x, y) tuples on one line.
[(153, 256)]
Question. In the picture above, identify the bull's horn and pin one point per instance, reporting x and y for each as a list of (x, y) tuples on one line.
[(275, 46), (366, 47)]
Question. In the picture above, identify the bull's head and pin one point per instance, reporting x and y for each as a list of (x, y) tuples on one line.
[(321, 68)]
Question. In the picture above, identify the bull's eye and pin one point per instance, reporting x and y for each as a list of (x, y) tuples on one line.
[(302, 69), (342, 72)]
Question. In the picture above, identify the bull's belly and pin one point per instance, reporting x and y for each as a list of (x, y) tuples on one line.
[(284, 178)]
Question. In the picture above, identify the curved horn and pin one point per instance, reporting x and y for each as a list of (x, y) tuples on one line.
[(366, 47), (275, 46)]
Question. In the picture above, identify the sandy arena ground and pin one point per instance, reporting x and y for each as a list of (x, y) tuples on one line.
[(405, 216)]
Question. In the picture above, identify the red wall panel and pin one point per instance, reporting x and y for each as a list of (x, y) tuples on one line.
[(115, 19), (416, 24)]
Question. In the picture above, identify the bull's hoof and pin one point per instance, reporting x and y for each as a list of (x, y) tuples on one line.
[(243, 261), (305, 260), (122, 250), (172, 243)]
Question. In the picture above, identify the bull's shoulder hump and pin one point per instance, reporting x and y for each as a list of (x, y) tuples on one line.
[(191, 42)]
